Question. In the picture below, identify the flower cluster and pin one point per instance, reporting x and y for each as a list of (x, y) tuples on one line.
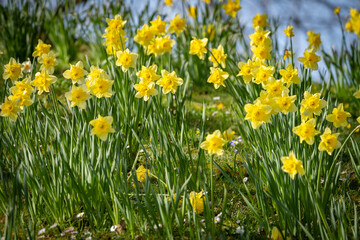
[(275, 97), (217, 57), (142, 173), (146, 87), (261, 44), (310, 59), (115, 35), (47, 59), (115, 41), (353, 24), (96, 83), (22, 89), (154, 39), (231, 7)]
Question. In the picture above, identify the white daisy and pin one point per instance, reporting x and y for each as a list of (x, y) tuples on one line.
[(113, 228), (26, 66), (41, 231), (79, 215)]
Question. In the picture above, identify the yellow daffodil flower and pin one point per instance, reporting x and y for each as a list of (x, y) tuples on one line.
[(257, 113), (306, 131), (102, 127), (42, 81), (292, 165), (169, 81), (338, 116), (312, 104), (41, 48), (12, 70), (329, 142), (126, 59), (9, 109), (78, 96), (198, 47), (217, 77), (214, 143), (218, 56), (76, 72)]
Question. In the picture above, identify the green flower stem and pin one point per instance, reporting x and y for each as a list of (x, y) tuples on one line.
[(211, 185), (319, 171), (71, 136), (292, 53)]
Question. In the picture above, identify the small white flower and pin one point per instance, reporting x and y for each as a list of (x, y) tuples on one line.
[(214, 113), (26, 66), (53, 226), (240, 230), (41, 231), (245, 179), (238, 221), (157, 226), (70, 229), (217, 218), (216, 98), (88, 238), (42, 236), (79, 215), (113, 228), (233, 143)]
